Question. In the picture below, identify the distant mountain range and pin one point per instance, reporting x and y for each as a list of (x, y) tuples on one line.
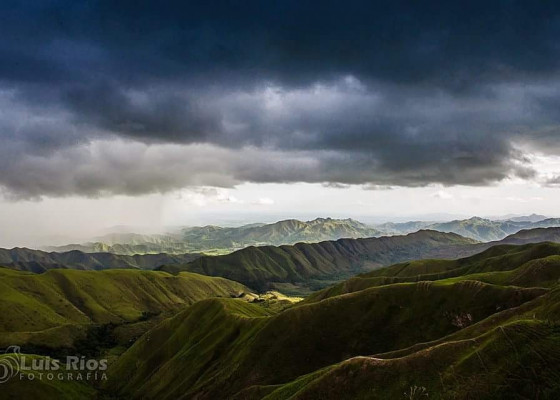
[(481, 229), (266, 267), (487, 230), (130, 244), (289, 231), (223, 239), (219, 240), (293, 269), (40, 261), (525, 218), (310, 266)]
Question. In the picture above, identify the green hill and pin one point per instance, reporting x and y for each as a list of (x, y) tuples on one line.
[(485, 326), (491, 330), (55, 308), (291, 269), (229, 352), (314, 265), (534, 235), (500, 364), (480, 228), (311, 266), (526, 266)]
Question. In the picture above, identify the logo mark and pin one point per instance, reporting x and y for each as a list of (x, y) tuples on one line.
[(9, 363)]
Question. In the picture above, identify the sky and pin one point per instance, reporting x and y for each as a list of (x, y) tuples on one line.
[(153, 114)]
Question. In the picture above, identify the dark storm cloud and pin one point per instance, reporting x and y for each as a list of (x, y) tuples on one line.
[(395, 93), (150, 115), (298, 41)]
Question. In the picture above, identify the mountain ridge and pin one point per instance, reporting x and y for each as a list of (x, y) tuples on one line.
[(214, 239), (38, 261), (330, 348), (258, 267), (289, 267)]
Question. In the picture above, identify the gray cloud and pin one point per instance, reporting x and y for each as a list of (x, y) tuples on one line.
[(341, 132), (101, 98), (553, 182)]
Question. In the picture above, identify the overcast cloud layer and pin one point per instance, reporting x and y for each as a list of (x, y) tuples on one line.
[(105, 97)]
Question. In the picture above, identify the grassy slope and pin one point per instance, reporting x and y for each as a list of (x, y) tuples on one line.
[(458, 338), (526, 265), (212, 352), (54, 307), (485, 327), (516, 361), (514, 354), (258, 267)]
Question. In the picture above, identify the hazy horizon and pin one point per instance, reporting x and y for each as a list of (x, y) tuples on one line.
[(86, 219)]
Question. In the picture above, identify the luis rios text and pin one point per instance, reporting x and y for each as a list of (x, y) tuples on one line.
[(15, 365)]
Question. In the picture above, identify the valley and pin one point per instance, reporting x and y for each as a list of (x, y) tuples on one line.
[(179, 332)]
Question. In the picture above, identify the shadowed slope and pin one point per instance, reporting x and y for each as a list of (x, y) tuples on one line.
[(527, 265), (258, 267), (516, 361), (514, 354), (239, 352)]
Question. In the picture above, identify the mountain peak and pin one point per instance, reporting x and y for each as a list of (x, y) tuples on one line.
[(477, 219)]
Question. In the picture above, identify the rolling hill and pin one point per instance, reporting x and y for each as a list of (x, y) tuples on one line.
[(40, 261), (490, 331), (486, 326), (292, 269), (481, 229), (532, 236), (306, 265), (55, 308), (506, 265)]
